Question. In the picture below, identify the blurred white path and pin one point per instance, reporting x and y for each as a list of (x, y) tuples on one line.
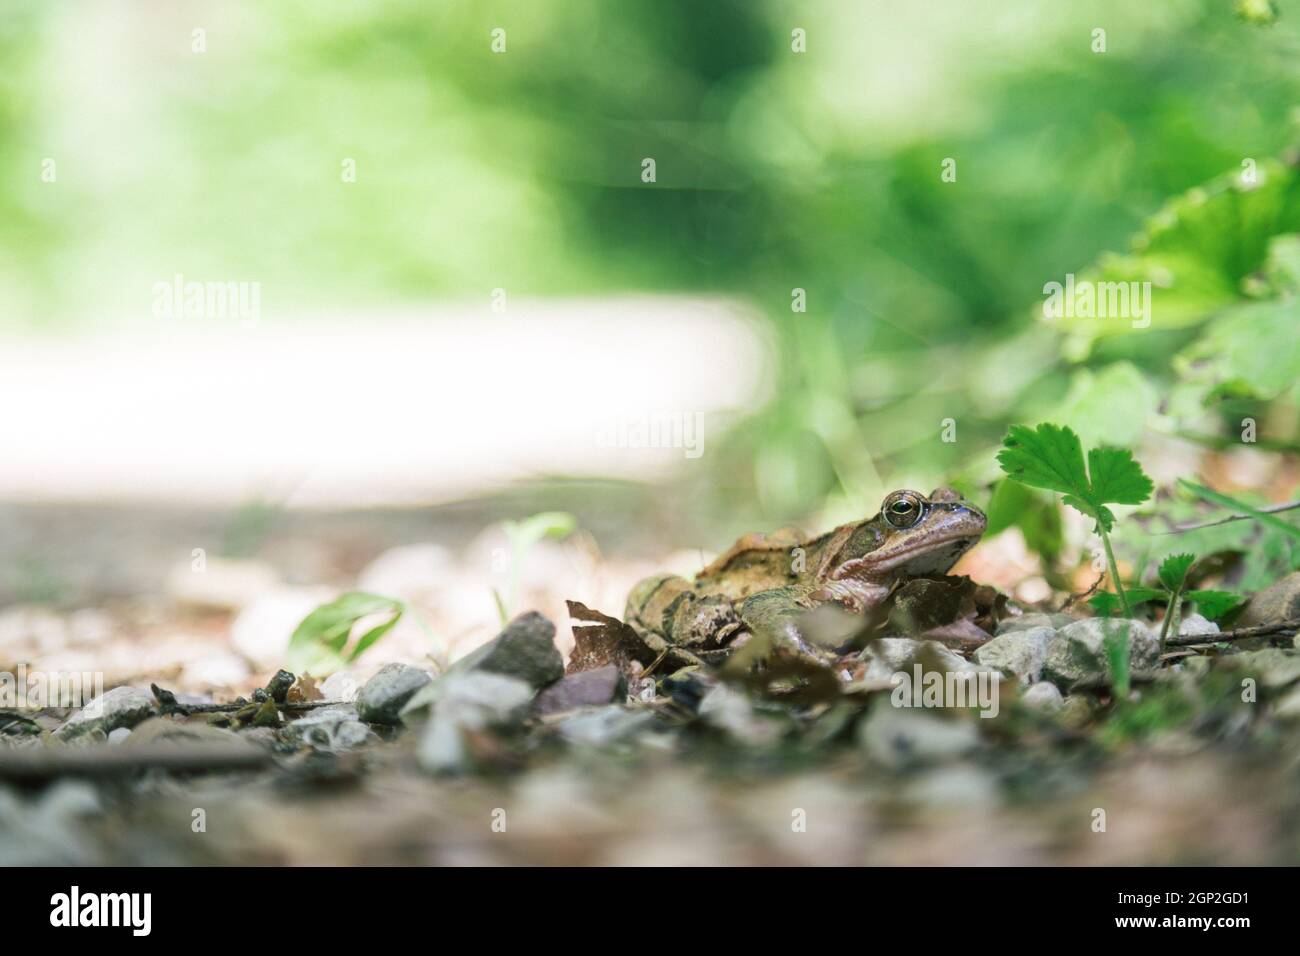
[(422, 406)]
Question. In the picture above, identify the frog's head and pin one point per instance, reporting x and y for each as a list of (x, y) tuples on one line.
[(912, 535)]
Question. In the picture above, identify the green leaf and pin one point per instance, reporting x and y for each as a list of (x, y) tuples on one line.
[(1117, 478), (1048, 457), (1104, 603), (1111, 405), (372, 635), (502, 613), (1051, 457), (1258, 12), (1118, 657), (1195, 251), (1173, 570), (547, 524), (318, 643), (1036, 515), (1218, 498), (1143, 595), (1214, 604), (1251, 349), (523, 535)]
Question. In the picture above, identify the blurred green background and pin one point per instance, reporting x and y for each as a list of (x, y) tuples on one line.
[(776, 170)]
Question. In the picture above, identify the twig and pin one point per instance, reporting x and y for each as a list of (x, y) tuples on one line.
[(1086, 594), (230, 708), (1270, 510), (1236, 634)]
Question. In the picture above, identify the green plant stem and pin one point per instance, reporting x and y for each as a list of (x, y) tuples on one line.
[(1114, 573), (1171, 611)]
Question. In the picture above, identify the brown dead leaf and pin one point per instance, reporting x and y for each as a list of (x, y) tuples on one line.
[(304, 689), (606, 640)]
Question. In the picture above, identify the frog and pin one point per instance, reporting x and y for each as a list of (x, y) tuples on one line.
[(764, 584)]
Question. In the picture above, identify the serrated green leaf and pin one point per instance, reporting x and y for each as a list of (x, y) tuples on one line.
[(1173, 570), (1049, 457), (1117, 478), (1214, 604)]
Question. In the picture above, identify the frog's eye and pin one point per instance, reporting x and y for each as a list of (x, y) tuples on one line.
[(902, 509)]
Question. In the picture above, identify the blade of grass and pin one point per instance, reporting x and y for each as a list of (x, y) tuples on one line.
[(1226, 501)]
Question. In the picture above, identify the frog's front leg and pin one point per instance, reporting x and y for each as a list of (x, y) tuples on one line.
[(854, 589), (776, 614)]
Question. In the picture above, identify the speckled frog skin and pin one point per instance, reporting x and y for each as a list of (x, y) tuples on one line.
[(764, 582)]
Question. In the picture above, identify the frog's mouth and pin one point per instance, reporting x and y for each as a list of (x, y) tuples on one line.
[(935, 558), (934, 555)]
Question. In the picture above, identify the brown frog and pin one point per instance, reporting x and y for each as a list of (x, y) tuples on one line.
[(764, 583)]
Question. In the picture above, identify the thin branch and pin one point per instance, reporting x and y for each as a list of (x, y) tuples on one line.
[(1277, 628), (1270, 510), (1085, 595), (292, 706)]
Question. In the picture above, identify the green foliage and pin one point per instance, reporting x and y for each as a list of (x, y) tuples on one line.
[(1051, 457), (1172, 575), (1258, 12), (1112, 404), (1218, 498), (319, 644), (1105, 603), (1214, 605), (1160, 708), (1173, 570), (1013, 504), (523, 535), (1117, 650)]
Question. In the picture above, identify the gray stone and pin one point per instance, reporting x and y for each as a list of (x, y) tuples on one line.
[(341, 685), (525, 650), (593, 688), (459, 702), (1079, 650), (1043, 696), (608, 725), (1195, 624), (1019, 653), (1288, 708), (382, 698), (1024, 622), (332, 729), (731, 711), (887, 656), (119, 707), (896, 737), (1273, 667), (1278, 602)]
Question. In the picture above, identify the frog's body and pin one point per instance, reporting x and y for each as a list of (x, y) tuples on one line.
[(763, 583)]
